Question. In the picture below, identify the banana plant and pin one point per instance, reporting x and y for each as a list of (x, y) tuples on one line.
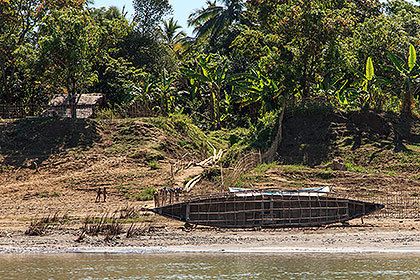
[(210, 77), (165, 90), (141, 94), (156, 94), (410, 72), (259, 89), (334, 86), (369, 93)]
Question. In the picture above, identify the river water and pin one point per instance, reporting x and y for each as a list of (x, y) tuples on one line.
[(210, 266)]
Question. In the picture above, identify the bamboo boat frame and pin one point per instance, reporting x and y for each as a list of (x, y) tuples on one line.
[(257, 209)]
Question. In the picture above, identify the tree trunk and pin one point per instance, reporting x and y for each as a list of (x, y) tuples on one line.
[(269, 155), (212, 102), (218, 124), (73, 100), (407, 101), (72, 103)]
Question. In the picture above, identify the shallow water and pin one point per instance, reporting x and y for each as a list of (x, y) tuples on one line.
[(210, 266)]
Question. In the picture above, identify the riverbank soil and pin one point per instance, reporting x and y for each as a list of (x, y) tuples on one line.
[(53, 168)]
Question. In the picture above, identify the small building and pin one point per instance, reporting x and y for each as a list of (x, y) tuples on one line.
[(86, 106)]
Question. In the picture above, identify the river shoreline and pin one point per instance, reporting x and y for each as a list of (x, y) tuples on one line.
[(370, 237)]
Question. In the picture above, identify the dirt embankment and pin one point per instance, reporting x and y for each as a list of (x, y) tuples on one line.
[(368, 140), (49, 166)]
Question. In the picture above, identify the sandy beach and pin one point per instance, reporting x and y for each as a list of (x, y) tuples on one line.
[(394, 236)]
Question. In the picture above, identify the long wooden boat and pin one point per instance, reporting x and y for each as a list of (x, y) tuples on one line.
[(259, 209)]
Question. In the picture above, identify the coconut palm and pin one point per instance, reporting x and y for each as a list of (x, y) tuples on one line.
[(211, 20), (172, 35), (171, 32)]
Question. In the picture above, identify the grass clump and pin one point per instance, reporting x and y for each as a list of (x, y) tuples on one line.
[(154, 165), (48, 194), (108, 114), (145, 194), (43, 225), (110, 227), (4, 168), (264, 167)]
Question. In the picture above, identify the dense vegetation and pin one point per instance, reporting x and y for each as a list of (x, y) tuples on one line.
[(248, 60)]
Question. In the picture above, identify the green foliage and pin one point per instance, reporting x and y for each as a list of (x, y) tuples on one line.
[(264, 167), (264, 131), (357, 169), (47, 194), (370, 71), (412, 59), (210, 21), (149, 13), (368, 88), (409, 71), (247, 57), (69, 46), (154, 165), (169, 32), (261, 92), (182, 127), (145, 194), (210, 81), (107, 114), (156, 94)]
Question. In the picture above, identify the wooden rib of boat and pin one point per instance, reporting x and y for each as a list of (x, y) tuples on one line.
[(259, 209)]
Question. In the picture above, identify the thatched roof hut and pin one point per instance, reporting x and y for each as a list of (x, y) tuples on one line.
[(59, 105)]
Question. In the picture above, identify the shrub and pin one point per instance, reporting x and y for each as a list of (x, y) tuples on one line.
[(145, 194)]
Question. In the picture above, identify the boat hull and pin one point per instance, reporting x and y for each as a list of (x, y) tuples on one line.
[(267, 210)]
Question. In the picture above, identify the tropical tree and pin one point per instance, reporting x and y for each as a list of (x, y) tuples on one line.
[(148, 14), (172, 35), (209, 22), (171, 32), (115, 73), (18, 20), (308, 34), (68, 47)]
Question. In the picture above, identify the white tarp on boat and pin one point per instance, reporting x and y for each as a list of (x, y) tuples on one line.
[(318, 191)]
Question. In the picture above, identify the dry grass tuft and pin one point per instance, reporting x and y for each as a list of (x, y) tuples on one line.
[(42, 226)]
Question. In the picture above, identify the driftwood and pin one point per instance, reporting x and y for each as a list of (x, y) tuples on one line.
[(213, 159), (209, 162), (192, 183)]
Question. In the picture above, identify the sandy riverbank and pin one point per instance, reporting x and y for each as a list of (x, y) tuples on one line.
[(373, 236)]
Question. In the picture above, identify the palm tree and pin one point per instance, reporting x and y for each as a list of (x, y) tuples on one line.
[(170, 33), (210, 21)]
